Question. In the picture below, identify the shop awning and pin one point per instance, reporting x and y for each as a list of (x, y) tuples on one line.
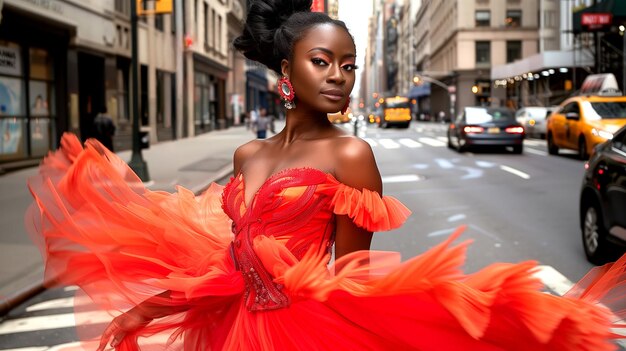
[(419, 91), (615, 7), (541, 61)]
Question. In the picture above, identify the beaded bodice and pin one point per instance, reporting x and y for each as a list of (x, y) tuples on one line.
[(294, 208)]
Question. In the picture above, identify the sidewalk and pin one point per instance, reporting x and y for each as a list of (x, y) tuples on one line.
[(193, 163)]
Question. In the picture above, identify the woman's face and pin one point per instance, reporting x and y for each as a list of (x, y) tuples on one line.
[(322, 70)]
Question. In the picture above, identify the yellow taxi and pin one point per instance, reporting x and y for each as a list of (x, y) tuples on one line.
[(339, 117), (582, 122)]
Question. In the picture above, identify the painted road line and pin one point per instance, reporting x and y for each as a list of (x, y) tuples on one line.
[(41, 348), (410, 143), (535, 152), (432, 142), (404, 178), (389, 144), (535, 142), (64, 320), (443, 163), (67, 302), (553, 279), (514, 171), (442, 139)]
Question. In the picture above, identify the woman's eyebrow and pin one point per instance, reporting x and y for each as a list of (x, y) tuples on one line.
[(329, 52)]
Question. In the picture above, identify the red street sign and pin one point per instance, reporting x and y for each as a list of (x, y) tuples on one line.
[(596, 20), (318, 6)]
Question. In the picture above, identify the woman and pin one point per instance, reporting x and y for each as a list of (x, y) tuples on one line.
[(246, 267)]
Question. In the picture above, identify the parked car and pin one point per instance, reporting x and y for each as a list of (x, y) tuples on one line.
[(603, 201), (582, 122), (533, 119), (486, 126)]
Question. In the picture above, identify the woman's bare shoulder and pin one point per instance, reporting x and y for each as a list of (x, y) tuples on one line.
[(244, 152), (355, 163)]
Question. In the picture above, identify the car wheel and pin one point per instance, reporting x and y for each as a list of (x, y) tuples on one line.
[(594, 235), (582, 149), (552, 148), (518, 149)]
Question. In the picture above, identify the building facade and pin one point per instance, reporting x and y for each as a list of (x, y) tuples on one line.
[(64, 61)]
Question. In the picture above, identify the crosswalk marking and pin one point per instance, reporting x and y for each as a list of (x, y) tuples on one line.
[(389, 144), (63, 320), (410, 143), (56, 303), (432, 142)]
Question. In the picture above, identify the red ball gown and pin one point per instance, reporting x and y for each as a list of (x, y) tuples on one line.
[(257, 276)]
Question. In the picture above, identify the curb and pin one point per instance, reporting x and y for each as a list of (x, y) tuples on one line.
[(12, 301)]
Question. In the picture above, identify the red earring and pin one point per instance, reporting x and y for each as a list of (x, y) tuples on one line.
[(345, 108), (285, 89)]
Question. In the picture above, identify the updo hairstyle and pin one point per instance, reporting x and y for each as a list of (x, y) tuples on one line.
[(272, 28)]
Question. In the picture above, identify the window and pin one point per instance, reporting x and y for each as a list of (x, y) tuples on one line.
[(206, 25), (513, 18), (483, 53), (123, 7), (483, 18), (513, 50), (158, 22), (213, 31), (219, 33)]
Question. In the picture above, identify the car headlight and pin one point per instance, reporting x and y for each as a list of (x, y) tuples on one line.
[(602, 133)]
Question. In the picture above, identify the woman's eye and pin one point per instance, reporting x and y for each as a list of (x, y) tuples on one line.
[(319, 62), (350, 67)]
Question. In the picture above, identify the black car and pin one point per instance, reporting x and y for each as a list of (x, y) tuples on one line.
[(486, 126), (603, 201)]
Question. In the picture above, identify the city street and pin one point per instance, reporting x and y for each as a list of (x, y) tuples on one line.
[(516, 207)]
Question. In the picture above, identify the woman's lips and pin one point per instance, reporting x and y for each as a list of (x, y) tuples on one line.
[(333, 94)]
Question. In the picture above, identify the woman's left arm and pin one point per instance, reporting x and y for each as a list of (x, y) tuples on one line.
[(356, 168)]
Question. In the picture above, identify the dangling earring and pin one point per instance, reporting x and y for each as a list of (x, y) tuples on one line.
[(345, 108), (285, 89)]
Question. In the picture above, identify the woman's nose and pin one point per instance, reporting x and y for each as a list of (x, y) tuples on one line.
[(335, 75)]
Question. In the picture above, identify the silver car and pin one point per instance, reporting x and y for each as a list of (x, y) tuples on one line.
[(533, 118)]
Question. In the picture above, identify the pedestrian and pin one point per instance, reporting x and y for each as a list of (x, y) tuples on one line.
[(246, 266), (263, 124), (253, 116), (104, 128)]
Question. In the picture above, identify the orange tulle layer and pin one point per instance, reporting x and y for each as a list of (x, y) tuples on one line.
[(99, 228)]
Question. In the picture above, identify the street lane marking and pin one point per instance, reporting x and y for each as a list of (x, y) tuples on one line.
[(401, 178), (514, 171), (443, 139), (534, 142), (553, 279), (50, 304), (432, 142), (443, 163), (410, 143), (389, 144), (64, 320), (485, 164), (536, 152)]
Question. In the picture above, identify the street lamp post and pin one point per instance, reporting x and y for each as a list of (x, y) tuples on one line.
[(137, 163), (450, 89)]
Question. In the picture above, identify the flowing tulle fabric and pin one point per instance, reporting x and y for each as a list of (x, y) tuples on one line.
[(99, 228)]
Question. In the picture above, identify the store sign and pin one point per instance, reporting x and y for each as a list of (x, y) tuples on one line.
[(318, 6), (596, 20), (10, 61)]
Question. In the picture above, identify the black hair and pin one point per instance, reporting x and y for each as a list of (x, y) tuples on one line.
[(273, 26)]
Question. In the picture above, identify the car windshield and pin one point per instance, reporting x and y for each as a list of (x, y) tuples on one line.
[(484, 115), (397, 104), (537, 113), (604, 110)]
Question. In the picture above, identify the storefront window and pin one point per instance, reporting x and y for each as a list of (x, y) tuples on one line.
[(41, 65), (12, 103)]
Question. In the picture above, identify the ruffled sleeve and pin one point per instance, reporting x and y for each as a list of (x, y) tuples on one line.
[(368, 209)]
